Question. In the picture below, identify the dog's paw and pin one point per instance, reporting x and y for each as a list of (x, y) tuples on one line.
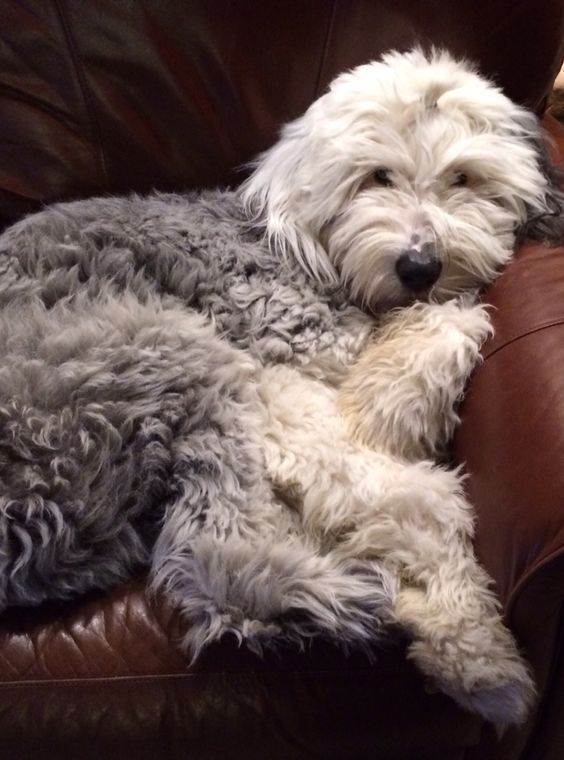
[(498, 688), (403, 401), (503, 703)]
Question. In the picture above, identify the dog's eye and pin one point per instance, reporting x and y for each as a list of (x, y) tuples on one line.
[(382, 177), (460, 180)]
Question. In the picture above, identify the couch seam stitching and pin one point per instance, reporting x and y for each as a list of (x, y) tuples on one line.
[(325, 52), (531, 331), (158, 678), (90, 109)]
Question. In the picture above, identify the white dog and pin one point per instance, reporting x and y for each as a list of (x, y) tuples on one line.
[(409, 181), (246, 391)]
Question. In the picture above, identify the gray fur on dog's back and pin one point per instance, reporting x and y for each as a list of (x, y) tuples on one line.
[(130, 335), (197, 251)]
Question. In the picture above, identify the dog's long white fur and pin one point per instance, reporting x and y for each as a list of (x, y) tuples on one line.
[(352, 441)]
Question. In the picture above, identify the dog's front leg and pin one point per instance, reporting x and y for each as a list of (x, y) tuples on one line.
[(413, 522), (401, 397), (420, 524)]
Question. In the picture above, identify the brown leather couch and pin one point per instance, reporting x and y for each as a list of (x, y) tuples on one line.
[(100, 96)]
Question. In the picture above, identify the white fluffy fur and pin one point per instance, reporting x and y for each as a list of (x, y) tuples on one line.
[(349, 437), (425, 121)]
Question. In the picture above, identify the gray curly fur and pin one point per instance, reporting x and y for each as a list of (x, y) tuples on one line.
[(129, 331)]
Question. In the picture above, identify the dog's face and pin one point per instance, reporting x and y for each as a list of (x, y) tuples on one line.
[(410, 178)]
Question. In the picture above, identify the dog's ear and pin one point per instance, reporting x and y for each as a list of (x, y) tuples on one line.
[(547, 223), (277, 197)]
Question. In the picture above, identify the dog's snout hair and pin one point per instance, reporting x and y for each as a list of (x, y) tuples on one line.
[(423, 237)]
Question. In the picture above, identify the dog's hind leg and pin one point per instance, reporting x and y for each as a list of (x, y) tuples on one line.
[(76, 486), (87, 412), (229, 555)]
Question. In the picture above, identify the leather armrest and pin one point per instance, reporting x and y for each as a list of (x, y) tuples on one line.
[(512, 432), (512, 443)]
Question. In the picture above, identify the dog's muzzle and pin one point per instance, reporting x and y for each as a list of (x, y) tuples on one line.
[(417, 270)]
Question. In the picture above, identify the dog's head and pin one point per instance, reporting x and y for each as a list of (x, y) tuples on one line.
[(412, 177)]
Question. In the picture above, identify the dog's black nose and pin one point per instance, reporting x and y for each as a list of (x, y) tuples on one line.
[(418, 270)]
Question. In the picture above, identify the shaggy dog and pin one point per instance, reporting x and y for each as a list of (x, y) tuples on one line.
[(246, 391)]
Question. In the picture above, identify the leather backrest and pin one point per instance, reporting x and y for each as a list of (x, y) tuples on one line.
[(101, 96)]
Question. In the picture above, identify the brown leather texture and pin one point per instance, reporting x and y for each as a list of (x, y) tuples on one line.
[(120, 95), (104, 679), (102, 96), (512, 442)]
